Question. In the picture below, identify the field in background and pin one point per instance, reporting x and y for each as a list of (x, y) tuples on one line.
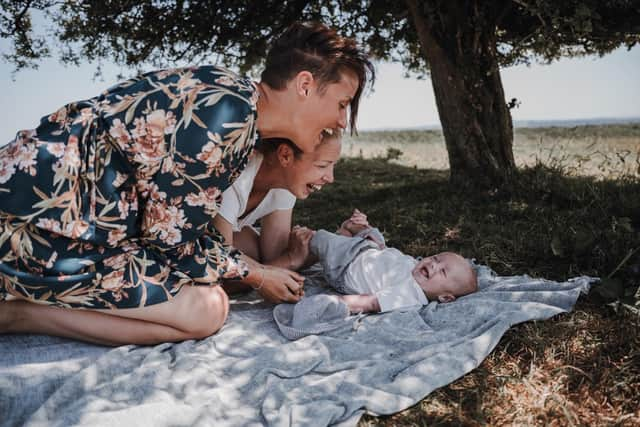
[(593, 150)]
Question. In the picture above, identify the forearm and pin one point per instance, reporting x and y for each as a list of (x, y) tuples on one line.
[(361, 303), (292, 261), (255, 275)]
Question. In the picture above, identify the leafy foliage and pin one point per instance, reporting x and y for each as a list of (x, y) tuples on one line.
[(238, 33)]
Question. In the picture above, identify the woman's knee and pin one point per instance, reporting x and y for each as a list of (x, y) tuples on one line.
[(206, 310)]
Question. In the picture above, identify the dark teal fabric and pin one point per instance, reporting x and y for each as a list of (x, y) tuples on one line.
[(109, 202)]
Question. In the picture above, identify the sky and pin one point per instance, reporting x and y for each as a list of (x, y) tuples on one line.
[(572, 88)]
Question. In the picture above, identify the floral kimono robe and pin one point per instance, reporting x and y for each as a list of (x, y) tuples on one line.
[(109, 202)]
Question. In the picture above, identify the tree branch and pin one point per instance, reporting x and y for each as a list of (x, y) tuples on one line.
[(525, 5), (18, 18)]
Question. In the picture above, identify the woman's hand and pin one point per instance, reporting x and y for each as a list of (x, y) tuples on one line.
[(281, 285), (298, 249)]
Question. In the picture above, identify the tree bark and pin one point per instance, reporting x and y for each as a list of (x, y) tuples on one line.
[(459, 45)]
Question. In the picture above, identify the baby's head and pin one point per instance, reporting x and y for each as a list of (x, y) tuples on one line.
[(445, 276)]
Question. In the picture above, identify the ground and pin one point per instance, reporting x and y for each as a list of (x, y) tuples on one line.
[(580, 368)]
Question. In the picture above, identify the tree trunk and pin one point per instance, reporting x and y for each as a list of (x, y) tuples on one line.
[(459, 45)]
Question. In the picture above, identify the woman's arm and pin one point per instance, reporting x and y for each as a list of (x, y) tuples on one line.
[(224, 228), (281, 246), (274, 237), (274, 284)]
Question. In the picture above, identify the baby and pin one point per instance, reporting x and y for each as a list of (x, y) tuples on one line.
[(374, 278)]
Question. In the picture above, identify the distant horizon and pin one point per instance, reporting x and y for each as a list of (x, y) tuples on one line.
[(567, 92), (517, 124), (527, 123)]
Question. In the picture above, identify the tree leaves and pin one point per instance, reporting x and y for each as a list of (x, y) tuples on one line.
[(238, 33)]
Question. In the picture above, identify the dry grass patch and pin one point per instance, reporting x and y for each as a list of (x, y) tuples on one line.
[(579, 368)]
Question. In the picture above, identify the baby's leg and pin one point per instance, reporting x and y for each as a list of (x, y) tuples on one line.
[(327, 247)]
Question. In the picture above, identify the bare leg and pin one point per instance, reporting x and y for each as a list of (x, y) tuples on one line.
[(196, 312)]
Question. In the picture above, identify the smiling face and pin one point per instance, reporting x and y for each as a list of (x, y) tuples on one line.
[(309, 172), (321, 107), (445, 276)]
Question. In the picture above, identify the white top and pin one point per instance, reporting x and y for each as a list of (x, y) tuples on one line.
[(234, 198), (386, 273)]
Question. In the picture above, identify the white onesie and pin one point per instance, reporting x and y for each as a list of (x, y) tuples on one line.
[(386, 273)]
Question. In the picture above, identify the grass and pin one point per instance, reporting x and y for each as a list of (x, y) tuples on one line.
[(600, 151), (580, 368)]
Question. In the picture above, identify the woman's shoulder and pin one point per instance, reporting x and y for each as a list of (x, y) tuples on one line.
[(282, 199), (228, 81), (213, 80)]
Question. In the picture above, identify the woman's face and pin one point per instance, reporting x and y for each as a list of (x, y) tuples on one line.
[(322, 109), (309, 172)]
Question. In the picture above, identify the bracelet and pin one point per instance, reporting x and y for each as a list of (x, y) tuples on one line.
[(261, 281)]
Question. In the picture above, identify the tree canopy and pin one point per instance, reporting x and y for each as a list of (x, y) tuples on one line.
[(161, 32), (461, 44)]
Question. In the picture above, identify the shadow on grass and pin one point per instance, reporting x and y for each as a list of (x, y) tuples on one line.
[(578, 368)]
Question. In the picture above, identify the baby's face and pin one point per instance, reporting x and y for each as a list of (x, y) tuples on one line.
[(443, 274)]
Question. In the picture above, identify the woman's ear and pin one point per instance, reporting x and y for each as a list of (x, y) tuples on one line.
[(286, 156), (304, 83)]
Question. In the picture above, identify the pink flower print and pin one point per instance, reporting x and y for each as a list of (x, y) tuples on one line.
[(165, 222), (26, 158), (56, 148), (123, 206), (211, 154), (226, 81), (85, 117), (154, 192), (7, 169), (120, 134), (119, 179), (116, 236), (209, 198), (149, 135), (115, 283), (116, 262), (187, 82), (49, 225), (76, 228), (59, 116), (70, 161)]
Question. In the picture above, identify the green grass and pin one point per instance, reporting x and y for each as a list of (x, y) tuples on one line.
[(582, 368)]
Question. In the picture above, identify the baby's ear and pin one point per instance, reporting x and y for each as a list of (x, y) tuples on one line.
[(446, 298)]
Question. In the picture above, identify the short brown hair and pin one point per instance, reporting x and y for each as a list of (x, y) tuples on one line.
[(270, 145), (314, 47)]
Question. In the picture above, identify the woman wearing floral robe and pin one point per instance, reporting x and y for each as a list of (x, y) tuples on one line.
[(108, 204)]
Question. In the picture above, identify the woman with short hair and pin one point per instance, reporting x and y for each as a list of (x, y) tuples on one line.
[(107, 207)]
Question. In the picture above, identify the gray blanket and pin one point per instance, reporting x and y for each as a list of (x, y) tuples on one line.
[(249, 374)]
